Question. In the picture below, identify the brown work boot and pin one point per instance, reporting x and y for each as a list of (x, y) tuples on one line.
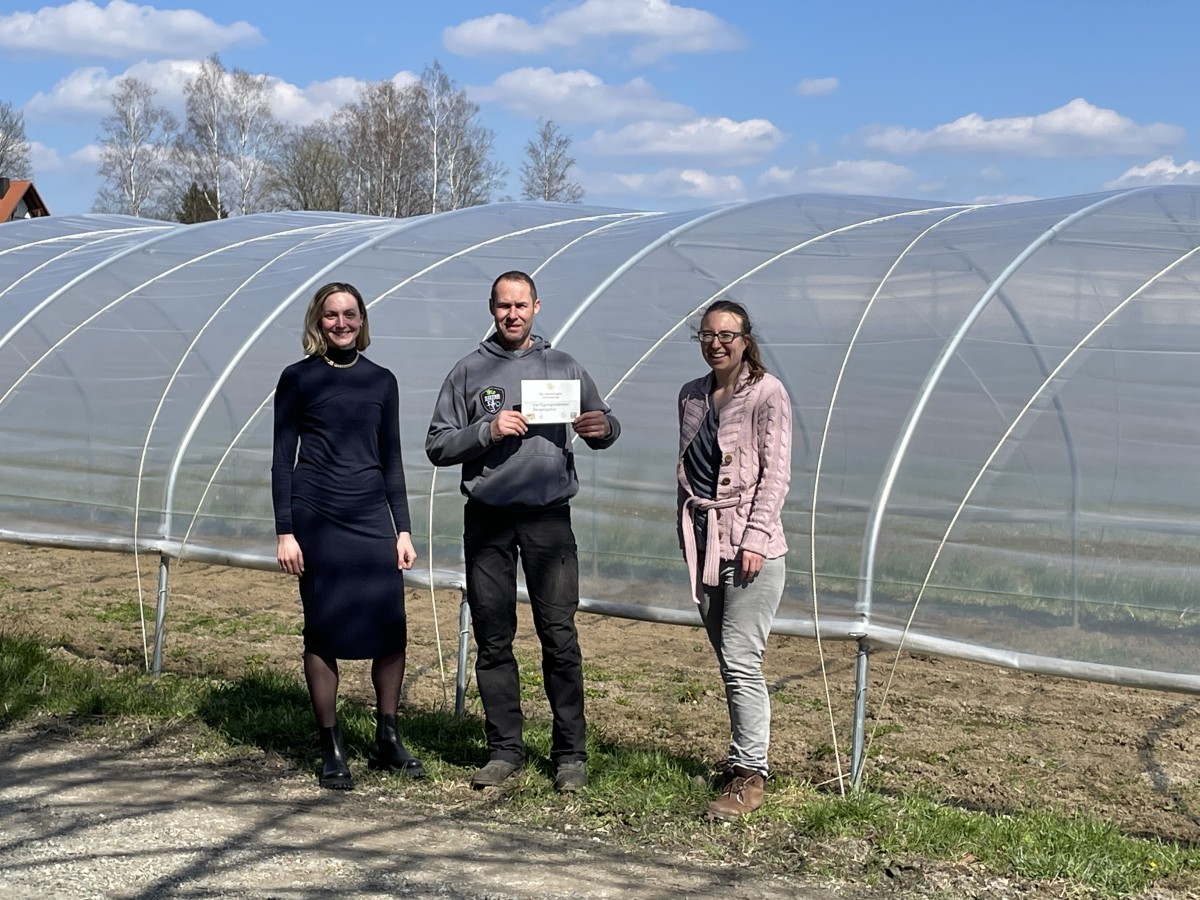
[(742, 795)]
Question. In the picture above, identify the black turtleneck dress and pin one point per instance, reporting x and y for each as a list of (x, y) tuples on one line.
[(343, 498)]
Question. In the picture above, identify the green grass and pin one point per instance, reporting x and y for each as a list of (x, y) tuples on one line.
[(637, 797), (121, 611), (235, 622)]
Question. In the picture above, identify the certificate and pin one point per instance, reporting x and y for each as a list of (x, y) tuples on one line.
[(550, 402)]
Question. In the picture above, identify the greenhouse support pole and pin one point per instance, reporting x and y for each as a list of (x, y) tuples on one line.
[(859, 738), (464, 641), (160, 615)]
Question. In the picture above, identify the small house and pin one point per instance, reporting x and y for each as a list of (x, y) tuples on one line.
[(19, 199)]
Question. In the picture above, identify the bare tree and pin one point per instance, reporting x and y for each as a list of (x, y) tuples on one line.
[(205, 143), (14, 146), (310, 171), (394, 151), (471, 175), (545, 174), (460, 169), (231, 136), (382, 137), (437, 91), (254, 135), (137, 142)]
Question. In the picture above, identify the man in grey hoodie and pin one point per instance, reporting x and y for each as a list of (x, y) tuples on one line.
[(518, 479)]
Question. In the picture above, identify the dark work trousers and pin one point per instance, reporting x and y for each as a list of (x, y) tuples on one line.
[(493, 538)]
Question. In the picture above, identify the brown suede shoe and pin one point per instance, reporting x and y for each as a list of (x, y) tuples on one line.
[(742, 795)]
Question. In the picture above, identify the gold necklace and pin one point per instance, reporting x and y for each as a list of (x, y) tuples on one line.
[(342, 365)]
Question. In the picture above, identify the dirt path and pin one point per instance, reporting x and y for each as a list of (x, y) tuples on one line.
[(85, 821)]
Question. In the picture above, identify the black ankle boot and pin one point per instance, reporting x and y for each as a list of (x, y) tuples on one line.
[(335, 774), (390, 753)]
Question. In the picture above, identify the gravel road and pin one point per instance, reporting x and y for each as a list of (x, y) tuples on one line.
[(82, 820)]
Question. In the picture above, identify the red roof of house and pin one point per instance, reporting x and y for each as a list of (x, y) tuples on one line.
[(19, 190)]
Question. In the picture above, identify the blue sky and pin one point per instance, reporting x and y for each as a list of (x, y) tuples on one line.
[(676, 104)]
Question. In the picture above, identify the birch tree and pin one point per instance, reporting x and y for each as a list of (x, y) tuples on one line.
[(137, 141), (231, 136), (461, 171), (14, 146), (383, 142), (472, 176), (206, 142), (254, 135)]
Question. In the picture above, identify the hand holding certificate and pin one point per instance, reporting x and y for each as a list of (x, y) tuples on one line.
[(550, 402)]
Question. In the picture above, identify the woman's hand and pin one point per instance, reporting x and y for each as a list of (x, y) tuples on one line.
[(291, 560), (406, 554), (752, 564)]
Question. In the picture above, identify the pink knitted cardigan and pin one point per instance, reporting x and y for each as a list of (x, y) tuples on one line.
[(755, 437)]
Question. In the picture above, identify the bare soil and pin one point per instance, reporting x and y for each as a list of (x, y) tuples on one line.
[(977, 736)]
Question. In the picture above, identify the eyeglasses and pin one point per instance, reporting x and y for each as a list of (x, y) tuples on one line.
[(725, 337)]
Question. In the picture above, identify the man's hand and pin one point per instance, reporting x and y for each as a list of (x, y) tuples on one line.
[(508, 422), (287, 552), (592, 424)]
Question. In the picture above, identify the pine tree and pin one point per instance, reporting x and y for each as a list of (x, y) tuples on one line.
[(199, 204)]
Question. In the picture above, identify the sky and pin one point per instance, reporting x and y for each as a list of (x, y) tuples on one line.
[(675, 104)]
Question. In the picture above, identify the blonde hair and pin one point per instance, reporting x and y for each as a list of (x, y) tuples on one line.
[(314, 338)]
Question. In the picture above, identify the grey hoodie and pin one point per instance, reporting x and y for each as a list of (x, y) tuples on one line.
[(527, 472)]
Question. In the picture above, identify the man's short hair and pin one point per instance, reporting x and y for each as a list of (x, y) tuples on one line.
[(514, 275)]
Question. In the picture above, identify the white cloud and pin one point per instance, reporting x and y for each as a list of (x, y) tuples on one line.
[(88, 156), (85, 93), (816, 87), (842, 177), (120, 30), (715, 139), (320, 99), (43, 158), (1005, 198), (861, 176), (781, 180), (1161, 171), (695, 184), (48, 160), (656, 28), (577, 96), (302, 106), (1077, 129)]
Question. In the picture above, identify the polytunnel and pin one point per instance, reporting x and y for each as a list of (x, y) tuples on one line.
[(995, 408)]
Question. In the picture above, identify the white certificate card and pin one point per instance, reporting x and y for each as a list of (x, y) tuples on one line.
[(550, 402)]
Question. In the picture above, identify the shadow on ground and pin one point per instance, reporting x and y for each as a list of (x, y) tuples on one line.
[(86, 820)]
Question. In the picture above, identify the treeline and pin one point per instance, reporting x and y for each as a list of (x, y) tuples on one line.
[(393, 151)]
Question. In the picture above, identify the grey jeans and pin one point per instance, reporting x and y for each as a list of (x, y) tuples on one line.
[(737, 616)]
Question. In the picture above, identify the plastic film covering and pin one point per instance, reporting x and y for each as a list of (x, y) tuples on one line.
[(996, 409)]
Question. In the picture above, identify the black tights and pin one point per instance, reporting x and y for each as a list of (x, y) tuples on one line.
[(321, 675)]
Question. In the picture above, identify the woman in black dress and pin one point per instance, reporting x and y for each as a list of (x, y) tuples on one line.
[(341, 514)]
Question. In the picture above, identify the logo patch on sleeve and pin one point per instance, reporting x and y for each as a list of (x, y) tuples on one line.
[(492, 399)]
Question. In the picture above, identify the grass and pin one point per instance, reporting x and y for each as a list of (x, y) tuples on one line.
[(638, 796)]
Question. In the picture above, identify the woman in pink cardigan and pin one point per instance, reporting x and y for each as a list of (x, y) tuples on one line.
[(735, 442)]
